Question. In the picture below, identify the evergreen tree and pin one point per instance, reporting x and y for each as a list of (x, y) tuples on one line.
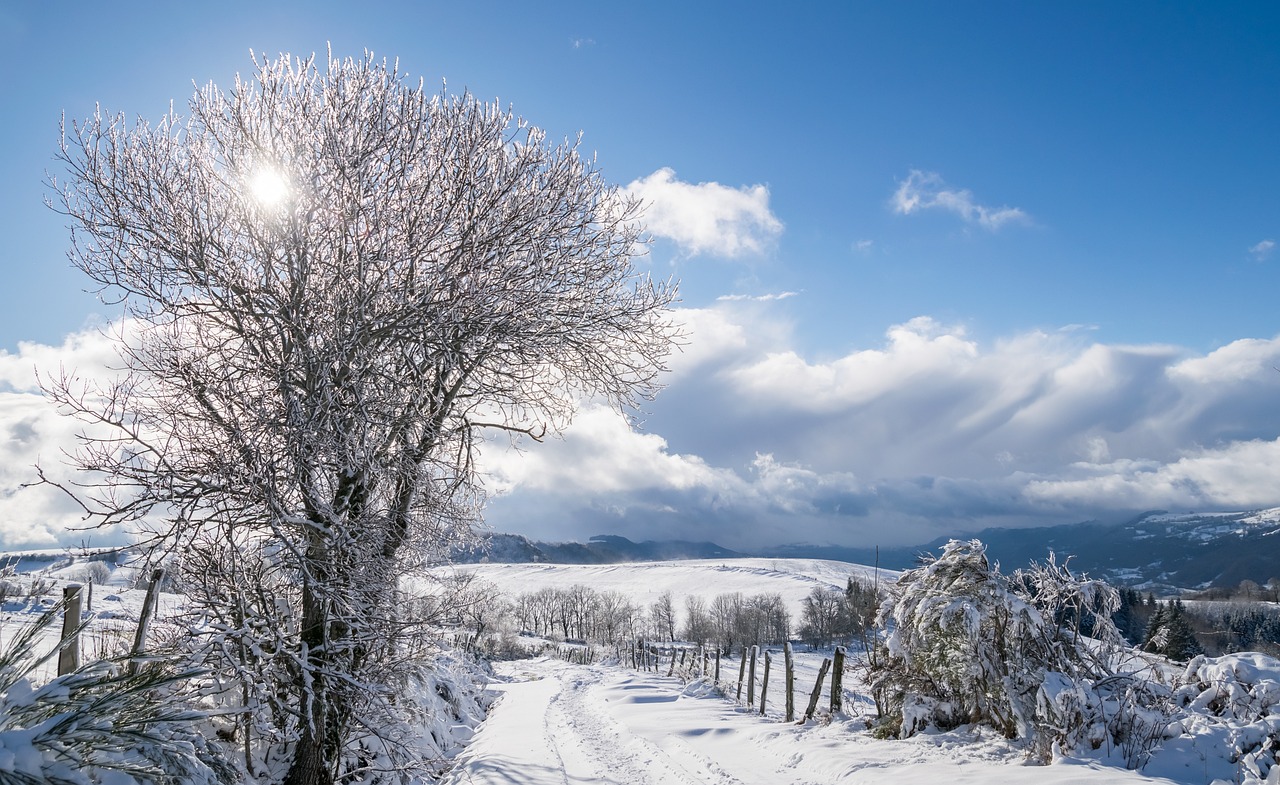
[(1170, 633)]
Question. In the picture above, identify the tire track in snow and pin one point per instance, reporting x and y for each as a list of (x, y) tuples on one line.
[(582, 719)]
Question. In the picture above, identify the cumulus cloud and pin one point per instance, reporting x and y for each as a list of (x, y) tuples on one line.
[(927, 191), (707, 218), (1262, 249), (929, 432)]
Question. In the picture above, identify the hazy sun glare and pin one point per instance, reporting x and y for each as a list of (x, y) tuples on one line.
[(268, 186)]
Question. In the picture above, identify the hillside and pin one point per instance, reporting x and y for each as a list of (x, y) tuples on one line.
[(644, 582), (1155, 550)]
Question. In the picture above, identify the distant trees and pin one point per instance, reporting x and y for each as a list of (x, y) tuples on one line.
[(662, 616), (334, 283), (828, 616), (578, 612), (749, 620), (698, 627), (581, 612)]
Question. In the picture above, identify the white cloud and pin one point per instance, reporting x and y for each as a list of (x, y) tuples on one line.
[(707, 218), (930, 432), (1240, 475), (1263, 249), (927, 191), (863, 246), (756, 298)]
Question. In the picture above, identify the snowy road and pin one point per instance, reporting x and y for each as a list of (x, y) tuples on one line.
[(561, 724)]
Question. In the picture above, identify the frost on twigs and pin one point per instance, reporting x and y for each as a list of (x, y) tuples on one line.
[(99, 723), (339, 283)]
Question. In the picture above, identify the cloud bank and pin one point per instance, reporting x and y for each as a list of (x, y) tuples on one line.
[(931, 432)]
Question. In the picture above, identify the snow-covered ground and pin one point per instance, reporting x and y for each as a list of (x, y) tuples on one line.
[(602, 724), (557, 724), (644, 582)]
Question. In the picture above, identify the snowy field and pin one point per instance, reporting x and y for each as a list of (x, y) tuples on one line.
[(608, 724), (563, 723), (644, 582)]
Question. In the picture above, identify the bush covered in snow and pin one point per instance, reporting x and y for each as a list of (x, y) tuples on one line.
[(967, 644), (100, 723)]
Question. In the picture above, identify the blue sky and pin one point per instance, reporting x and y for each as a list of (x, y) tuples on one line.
[(943, 265)]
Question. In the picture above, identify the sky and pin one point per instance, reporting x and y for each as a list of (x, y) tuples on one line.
[(942, 266)]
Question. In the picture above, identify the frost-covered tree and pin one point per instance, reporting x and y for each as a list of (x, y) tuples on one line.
[(662, 616), (967, 644), (334, 282)]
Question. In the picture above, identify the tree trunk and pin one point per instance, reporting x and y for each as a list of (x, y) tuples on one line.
[(315, 758)]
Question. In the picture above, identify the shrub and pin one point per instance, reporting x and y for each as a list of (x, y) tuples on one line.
[(966, 644), (99, 719)]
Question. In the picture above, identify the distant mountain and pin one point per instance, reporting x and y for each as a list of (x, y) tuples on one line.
[(601, 549), (1156, 550)]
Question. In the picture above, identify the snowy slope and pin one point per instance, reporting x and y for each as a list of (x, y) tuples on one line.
[(644, 582)]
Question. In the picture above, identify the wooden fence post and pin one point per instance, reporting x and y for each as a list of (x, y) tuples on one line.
[(837, 681), (791, 682), (69, 656), (742, 672), (751, 678), (144, 619), (817, 689), (764, 683), (717, 680)]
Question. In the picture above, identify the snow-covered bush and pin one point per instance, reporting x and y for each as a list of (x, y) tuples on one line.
[(100, 719), (418, 727), (1243, 692), (966, 644)]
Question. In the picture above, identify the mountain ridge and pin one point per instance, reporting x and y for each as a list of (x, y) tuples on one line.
[(1155, 550)]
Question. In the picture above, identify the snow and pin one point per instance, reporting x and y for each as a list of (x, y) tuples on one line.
[(644, 582), (606, 723), (558, 723)]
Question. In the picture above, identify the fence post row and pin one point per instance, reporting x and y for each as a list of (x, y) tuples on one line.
[(764, 683), (791, 682), (742, 673)]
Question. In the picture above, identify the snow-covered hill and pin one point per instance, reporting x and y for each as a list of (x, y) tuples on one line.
[(644, 582)]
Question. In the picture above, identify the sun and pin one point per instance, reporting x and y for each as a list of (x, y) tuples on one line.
[(268, 186)]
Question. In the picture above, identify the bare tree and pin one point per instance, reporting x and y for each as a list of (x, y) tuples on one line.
[(333, 283), (697, 620), (662, 614)]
